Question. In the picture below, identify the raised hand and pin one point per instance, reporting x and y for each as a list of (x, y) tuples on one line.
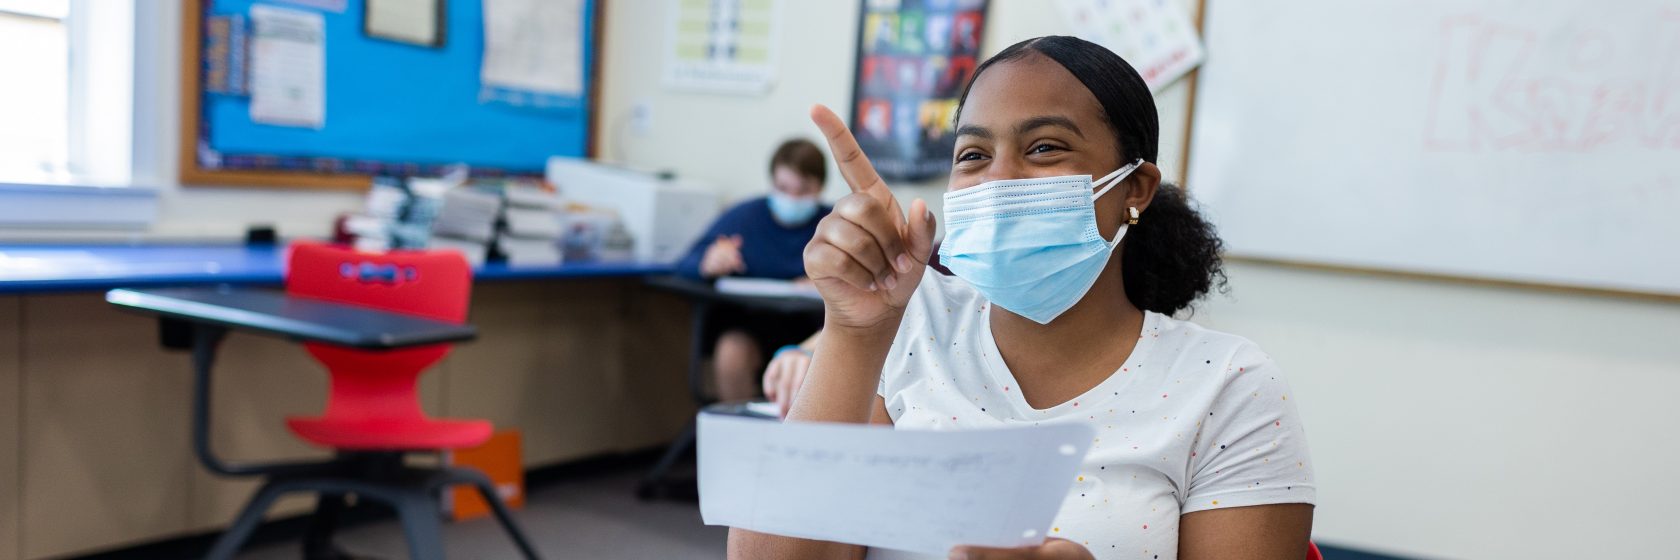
[(867, 257), (784, 376)]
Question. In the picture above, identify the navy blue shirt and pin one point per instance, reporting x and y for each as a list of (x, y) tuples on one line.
[(768, 248)]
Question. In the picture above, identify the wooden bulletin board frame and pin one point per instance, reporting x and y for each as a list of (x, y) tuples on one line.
[(1562, 289), (192, 173)]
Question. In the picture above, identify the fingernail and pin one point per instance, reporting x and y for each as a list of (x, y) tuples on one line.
[(892, 282), (958, 554), (871, 286), (903, 263)]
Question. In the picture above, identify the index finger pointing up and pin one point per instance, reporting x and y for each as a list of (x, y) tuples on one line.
[(860, 175)]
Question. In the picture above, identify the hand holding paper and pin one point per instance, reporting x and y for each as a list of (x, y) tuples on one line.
[(918, 491)]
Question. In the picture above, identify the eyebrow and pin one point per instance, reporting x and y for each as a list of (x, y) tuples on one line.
[(973, 130), (1048, 120), (1022, 129)]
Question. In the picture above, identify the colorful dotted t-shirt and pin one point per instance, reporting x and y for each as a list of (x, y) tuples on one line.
[(1194, 420)]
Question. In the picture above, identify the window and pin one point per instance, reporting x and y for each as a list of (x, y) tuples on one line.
[(34, 106), (66, 111), (68, 94)]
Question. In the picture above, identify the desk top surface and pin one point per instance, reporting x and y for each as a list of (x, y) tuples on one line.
[(272, 312), (705, 292), (69, 268)]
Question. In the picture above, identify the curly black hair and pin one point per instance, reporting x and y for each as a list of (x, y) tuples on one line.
[(1171, 258)]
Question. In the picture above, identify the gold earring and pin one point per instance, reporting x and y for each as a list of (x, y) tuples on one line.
[(1132, 221)]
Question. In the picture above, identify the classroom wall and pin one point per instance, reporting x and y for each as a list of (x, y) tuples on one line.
[(1451, 420), (726, 140), (191, 212), (718, 140)]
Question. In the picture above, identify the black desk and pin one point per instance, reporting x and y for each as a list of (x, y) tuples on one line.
[(200, 317), (274, 313), (705, 298), (705, 293)]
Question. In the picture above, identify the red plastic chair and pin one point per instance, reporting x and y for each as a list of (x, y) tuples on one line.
[(373, 415), (374, 403)]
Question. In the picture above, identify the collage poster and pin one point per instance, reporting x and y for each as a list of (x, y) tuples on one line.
[(914, 58)]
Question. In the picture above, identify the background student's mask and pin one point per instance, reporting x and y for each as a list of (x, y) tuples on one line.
[(1030, 245)]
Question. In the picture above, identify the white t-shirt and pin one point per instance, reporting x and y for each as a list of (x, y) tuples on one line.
[(1195, 420)]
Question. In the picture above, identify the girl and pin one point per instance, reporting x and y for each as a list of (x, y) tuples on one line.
[(1199, 453)]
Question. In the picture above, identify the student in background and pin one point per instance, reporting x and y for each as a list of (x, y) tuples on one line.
[(786, 372), (1060, 309), (761, 238)]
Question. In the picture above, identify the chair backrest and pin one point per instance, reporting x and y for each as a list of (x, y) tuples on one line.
[(373, 385)]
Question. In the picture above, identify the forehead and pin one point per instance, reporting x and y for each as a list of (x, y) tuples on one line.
[(1029, 86), (787, 173)]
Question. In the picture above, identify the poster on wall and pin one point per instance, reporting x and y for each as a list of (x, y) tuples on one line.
[(914, 58), (722, 46), (1155, 36)]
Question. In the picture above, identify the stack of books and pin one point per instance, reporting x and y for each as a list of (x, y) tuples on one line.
[(466, 222), (531, 226)]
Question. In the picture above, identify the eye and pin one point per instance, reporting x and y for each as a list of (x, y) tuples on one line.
[(970, 155), (1043, 149)]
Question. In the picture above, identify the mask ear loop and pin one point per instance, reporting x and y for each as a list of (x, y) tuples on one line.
[(1110, 180)]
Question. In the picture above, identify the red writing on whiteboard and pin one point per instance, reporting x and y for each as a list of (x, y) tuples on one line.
[(1502, 86)]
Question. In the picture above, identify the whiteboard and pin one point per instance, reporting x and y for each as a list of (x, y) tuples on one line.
[(1534, 141)]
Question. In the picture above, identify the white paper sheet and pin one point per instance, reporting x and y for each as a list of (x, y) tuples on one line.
[(534, 46), (912, 490), (288, 67), (1155, 36), (409, 21), (767, 287)]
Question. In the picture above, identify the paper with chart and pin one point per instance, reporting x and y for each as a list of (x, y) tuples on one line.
[(722, 46), (1155, 36), (913, 490), (288, 67), (533, 52)]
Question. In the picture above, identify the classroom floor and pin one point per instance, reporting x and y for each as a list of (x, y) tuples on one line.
[(594, 516)]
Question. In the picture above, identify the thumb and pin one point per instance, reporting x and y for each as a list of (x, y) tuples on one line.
[(919, 230)]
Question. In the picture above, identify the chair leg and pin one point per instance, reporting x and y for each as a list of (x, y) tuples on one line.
[(652, 484), (318, 537), (488, 491), (246, 523), (422, 522)]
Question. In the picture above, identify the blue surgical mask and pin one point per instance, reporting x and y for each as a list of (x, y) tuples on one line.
[(792, 211), (1030, 245)]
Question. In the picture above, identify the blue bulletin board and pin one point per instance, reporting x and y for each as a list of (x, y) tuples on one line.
[(391, 108)]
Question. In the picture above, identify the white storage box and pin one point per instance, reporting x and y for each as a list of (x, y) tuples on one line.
[(663, 217)]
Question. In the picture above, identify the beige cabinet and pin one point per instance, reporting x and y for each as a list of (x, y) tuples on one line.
[(106, 459), (11, 386)]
